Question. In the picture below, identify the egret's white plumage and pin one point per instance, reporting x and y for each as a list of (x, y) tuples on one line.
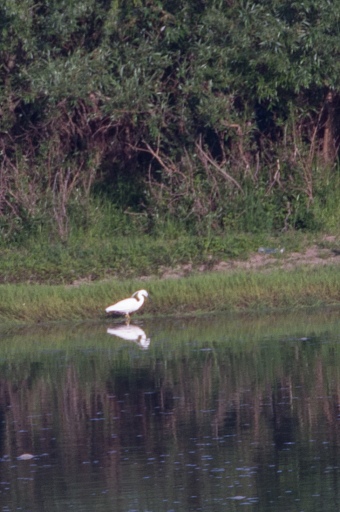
[(127, 306)]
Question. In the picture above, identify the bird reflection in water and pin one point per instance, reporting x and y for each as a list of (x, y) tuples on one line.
[(130, 332)]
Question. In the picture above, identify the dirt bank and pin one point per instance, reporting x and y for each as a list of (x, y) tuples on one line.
[(261, 261)]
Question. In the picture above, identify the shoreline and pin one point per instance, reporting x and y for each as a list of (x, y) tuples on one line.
[(271, 287)]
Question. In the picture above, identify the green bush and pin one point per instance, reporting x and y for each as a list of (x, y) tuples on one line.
[(210, 116)]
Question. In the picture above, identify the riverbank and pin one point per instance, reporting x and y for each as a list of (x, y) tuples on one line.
[(323, 253), (274, 285), (91, 257)]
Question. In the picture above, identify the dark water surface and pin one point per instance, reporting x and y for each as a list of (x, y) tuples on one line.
[(204, 414)]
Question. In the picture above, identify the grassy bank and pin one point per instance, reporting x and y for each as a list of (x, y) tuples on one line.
[(42, 280), (96, 256), (102, 253), (200, 293)]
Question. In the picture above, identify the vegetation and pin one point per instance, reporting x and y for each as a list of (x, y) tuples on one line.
[(209, 292), (104, 252), (199, 117)]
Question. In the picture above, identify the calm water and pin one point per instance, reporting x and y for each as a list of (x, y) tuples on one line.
[(204, 414)]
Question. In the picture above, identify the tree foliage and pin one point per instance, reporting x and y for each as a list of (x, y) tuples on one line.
[(200, 109)]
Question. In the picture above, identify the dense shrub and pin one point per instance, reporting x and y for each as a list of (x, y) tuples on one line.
[(221, 114)]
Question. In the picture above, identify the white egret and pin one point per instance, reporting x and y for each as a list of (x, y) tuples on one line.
[(127, 306)]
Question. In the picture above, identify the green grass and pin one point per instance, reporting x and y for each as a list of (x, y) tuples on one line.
[(43, 279), (201, 293), (105, 242), (94, 257)]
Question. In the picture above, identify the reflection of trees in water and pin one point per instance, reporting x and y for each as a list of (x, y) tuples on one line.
[(101, 411), (83, 410), (222, 395)]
